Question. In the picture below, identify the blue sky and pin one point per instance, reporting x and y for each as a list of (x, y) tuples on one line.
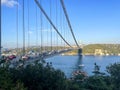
[(93, 21)]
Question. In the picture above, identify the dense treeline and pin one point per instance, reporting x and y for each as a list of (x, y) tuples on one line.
[(39, 76), (110, 48)]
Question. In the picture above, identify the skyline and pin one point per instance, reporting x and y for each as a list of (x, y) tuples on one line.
[(93, 21)]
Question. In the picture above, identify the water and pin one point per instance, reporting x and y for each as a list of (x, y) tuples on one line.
[(68, 64)]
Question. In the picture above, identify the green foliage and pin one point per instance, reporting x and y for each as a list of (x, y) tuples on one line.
[(110, 48), (91, 48), (40, 77), (19, 86), (114, 71), (5, 80), (33, 77), (98, 83)]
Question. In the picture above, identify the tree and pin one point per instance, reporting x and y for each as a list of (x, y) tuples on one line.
[(35, 76), (114, 71)]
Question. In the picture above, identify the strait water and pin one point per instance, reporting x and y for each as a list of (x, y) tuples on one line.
[(69, 64)]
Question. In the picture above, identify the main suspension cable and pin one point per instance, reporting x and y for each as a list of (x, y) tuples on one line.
[(51, 22), (65, 12)]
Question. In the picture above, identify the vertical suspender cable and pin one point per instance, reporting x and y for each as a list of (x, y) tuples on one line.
[(28, 26), (41, 29), (17, 26), (39, 32), (42, 10), (36, 29), (47, 37), (54, 37), (64, 30), (51, 26), (61, 25), (56, 24), (23, 31)]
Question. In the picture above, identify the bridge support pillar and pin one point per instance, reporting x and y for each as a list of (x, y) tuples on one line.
[(80, 52)]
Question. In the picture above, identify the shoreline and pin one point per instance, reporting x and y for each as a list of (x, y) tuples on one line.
[(85, 55)]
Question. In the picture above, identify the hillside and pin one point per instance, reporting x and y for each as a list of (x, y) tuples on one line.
[(102, 49), (98, 49)]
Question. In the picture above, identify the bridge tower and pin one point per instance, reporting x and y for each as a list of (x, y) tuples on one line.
[(0, 30), (80, 52)]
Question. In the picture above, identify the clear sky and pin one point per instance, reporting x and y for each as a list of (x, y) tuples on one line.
[(93, 21)]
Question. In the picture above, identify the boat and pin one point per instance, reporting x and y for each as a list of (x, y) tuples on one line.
[(81, 65), (76, 75)]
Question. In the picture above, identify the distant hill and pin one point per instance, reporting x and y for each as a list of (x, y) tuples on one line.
[(109, 49), (98, 49)]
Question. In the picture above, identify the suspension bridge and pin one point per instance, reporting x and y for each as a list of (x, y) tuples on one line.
[(39, 32)]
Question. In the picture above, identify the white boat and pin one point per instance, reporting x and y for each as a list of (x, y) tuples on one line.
[(81, 65)]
